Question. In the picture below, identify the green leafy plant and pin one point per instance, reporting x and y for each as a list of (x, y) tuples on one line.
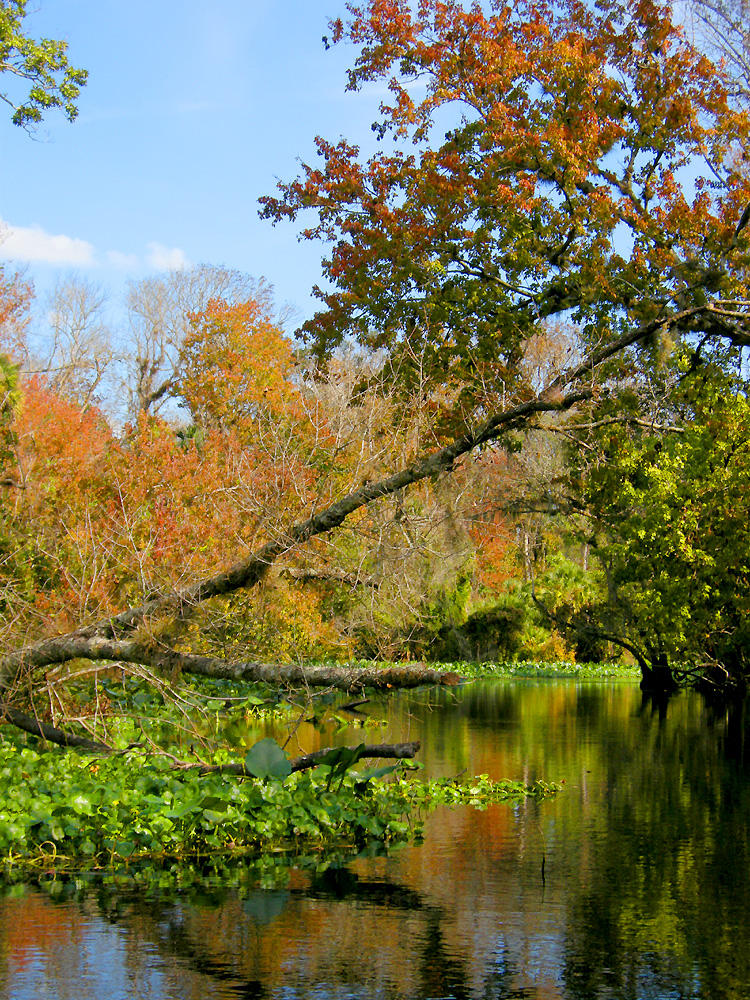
[(59, 809), (339, 759), (267, 760), (41, 64)]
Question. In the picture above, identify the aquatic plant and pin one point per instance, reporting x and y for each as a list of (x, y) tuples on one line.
[(61, 809)]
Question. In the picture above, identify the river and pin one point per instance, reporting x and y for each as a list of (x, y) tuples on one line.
[(631, 884)]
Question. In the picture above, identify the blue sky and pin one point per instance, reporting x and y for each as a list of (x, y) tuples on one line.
[(192, 111)]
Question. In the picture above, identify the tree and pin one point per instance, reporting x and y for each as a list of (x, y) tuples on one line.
[(558, 189), (41, 77), (15, 297), (667, 509), (562, 190), (235, 368), (723, 26), (160, 310), (557, 193), (82, 357)]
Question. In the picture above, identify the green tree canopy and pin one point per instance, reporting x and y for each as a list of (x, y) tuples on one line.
[(669, 513), (36, 74)]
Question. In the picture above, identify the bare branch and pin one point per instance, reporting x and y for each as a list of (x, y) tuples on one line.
[(30, 724)]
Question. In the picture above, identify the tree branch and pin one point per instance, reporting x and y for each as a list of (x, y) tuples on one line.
[(329, 575), (30, 724), (99, 641), (387, 751), (166, 659)]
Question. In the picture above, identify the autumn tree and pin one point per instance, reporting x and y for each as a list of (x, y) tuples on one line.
[(556, 190), (16, 294), (559, 191), (538, 162), (235, 366), (159, 311)]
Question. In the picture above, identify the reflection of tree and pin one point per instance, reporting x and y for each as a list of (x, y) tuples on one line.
[(666, 900), (440, 970), (735, 742), (647, 854), (197, 956), (647, 847), (250, 942)]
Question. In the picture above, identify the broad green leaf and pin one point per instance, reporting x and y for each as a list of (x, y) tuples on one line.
[(267, 760)]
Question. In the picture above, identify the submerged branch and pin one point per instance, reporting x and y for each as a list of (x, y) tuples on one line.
[(384, 751), (52, 734)]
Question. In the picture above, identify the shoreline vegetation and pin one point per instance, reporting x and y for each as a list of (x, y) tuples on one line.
[(468, 670), (64, 811)]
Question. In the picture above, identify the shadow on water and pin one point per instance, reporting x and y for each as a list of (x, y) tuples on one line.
[(646, 892)]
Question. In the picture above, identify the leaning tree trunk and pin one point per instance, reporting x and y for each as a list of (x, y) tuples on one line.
[(117, 639)]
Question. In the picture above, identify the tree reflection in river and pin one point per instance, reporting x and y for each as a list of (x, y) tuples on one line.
[(645, 893)]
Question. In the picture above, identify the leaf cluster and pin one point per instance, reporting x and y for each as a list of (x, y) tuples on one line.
[(39, 66)]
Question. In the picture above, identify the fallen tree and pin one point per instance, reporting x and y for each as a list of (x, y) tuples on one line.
[(127, 639), (448, 262)]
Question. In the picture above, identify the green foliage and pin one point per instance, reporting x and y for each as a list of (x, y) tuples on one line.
[(673, 512), (9, 392), (451, 605), (39, 67), (62, 807), (440, 619), (339, 759), (513, 626), (267, 760), (490, 632), (10, 398), (540, 668), (518, 667)]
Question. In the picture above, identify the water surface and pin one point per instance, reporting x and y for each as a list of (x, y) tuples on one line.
[(632, 883)]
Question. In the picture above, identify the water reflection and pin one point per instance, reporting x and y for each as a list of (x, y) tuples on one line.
[(644, 894)]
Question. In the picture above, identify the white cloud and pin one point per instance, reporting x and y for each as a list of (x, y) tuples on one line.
[(32, 243), (123, 261), (165, 258)]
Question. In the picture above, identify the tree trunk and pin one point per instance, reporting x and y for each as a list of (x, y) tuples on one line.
[(657, 677), (106, 640)]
